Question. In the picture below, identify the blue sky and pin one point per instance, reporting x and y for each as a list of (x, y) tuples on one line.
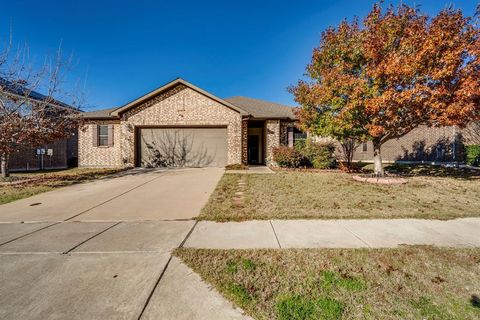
[(124, 49)]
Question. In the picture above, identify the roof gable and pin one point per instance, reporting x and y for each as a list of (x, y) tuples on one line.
[(117, 112)]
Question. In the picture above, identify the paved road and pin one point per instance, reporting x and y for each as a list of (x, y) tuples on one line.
[(101, 250)]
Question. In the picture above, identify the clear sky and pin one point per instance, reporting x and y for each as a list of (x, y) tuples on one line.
[(125, 49)]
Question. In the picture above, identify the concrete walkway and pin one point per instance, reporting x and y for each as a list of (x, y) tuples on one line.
[(335, 233), (102, 270)]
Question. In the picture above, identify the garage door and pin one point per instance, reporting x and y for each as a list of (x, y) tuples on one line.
[(182, 147)]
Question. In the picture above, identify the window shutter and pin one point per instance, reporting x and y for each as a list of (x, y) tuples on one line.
[(95, 135), (110, 135)]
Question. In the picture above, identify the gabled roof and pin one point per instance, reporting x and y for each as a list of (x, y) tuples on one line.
[(263, 109), (20, 91), (245, 106)]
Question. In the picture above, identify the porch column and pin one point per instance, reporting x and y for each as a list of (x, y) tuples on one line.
[(245, 141), (273, 139)]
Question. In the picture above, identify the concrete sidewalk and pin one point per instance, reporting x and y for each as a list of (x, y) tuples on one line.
[(335, 233), (102, 270)]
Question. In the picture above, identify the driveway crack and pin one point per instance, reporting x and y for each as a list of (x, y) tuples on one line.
[(154, 288), (188, 234), (117, 196), (29, 233), (95, 235)]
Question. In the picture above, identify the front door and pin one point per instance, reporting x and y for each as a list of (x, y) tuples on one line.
[(253, 149)]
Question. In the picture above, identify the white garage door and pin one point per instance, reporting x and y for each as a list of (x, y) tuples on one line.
[(182, 147)]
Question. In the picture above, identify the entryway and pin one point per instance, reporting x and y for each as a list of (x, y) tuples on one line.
[(256, 142)]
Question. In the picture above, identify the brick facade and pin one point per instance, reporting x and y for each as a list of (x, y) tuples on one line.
[(179, 106), (421, 144), (64, 154), (443, 144), (90, 155), (273, 138)]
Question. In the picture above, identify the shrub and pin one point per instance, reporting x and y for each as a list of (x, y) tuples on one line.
[(287, 157), (472, 154), (318, 155)]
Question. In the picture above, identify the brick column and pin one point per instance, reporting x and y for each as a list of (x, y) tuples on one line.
[(245, 141), (273, 139)]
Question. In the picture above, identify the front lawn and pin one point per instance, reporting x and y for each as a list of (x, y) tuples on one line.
[(400, 283), (335, 195), (26, 184)]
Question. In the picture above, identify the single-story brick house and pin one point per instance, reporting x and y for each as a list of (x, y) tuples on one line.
[(180, 124)]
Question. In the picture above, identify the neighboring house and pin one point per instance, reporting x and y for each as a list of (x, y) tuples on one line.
[(180, 124), (423, 144), (57, 155), (60, 154)]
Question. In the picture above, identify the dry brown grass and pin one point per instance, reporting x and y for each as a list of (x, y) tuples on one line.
[(334, 195), (400, 283), (27, 184)]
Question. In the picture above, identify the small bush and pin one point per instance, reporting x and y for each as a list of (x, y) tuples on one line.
[(318, 155), (472, 154), (287, 157)]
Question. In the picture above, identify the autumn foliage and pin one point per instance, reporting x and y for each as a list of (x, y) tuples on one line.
[(395, 70)]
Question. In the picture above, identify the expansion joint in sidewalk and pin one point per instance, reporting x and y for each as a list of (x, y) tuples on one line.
[(356, 236), (275, 233)]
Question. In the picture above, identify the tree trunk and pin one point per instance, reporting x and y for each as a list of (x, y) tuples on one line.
[(4, 165), (349, 145), (377, 159)]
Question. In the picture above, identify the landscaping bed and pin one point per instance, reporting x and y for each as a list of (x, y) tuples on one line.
[(400, 283), (335, 195), (25, 184)]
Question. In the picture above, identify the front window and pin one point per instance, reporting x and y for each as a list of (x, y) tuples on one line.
[(299, 135), (103, 135)]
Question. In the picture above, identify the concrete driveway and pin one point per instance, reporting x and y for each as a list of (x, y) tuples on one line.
[(131, 196), (102, 250)]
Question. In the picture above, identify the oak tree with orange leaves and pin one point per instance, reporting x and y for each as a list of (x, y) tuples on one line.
[(392, 72)]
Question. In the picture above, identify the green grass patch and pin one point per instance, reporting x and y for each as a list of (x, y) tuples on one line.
[(400, 283), (296, 307), (335, 195)]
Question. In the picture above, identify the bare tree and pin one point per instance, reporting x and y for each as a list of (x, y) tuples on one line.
[(28, 118)]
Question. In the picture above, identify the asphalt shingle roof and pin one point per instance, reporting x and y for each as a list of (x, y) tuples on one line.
[(261, 108), (99, 114), (19, 89)]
